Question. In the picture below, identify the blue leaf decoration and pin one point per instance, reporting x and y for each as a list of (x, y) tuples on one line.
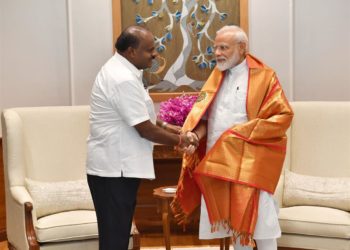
[(209, 50), (169, 36), (139, 19), (223, 16), (212, 64), (204, 9), (161, 48), (203, 65), (178, 15)]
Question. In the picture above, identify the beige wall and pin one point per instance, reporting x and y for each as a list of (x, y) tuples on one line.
[(50, 51), (307, 42)]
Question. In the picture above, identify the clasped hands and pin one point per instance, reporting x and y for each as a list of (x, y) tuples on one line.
[(189, 142)]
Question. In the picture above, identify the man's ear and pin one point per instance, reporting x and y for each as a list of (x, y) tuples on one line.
[(131, 52), (242, 48)]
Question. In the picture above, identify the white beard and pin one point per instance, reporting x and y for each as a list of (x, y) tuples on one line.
[(228, 63)]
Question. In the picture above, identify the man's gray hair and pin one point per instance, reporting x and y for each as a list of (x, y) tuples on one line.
[(238, 33)]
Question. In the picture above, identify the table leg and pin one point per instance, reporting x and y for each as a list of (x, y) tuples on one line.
[(222, 243), (166, 223), (225, 243)]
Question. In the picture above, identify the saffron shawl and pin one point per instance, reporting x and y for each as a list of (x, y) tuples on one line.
[(245, 159)]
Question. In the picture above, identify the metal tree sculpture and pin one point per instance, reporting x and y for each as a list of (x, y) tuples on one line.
[(194, 18)]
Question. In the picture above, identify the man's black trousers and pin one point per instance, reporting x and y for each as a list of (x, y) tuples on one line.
[(114, 200)]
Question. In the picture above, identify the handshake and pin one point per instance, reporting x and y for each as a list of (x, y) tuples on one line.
[(188, 143)]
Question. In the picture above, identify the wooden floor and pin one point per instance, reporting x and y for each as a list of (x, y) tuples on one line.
[(156, 240), (153, 240), (3, 245)]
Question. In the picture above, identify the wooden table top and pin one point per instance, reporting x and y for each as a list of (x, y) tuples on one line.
[(160, 193)]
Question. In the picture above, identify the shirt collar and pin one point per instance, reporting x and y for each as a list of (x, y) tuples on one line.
[(239, 68), (129, 65)]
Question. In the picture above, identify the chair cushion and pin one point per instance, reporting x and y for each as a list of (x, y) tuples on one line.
[(302, 190), (54, 197), (72, 225), (69, 226), (316, 221)]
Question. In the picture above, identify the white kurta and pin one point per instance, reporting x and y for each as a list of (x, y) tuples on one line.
[(227, 110)]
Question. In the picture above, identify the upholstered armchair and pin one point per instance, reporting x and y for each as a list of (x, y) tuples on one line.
[(48, 204), (314, 189)]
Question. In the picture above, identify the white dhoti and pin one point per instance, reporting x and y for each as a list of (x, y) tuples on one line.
[(267, 225)]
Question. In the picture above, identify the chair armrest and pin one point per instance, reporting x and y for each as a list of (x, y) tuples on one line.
[(20, 218), (20, 195)]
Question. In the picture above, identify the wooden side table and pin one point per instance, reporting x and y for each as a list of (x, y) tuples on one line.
[(165, 199)]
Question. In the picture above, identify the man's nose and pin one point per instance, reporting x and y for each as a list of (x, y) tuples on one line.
[(154, 54), (217, 52)]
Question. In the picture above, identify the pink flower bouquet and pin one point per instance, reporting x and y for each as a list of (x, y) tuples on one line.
[(175, 110)]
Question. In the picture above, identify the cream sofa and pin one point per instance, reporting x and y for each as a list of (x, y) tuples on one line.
[(314, 212), (44, 160)]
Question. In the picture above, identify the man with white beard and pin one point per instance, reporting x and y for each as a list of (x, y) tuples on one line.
[(240, 118)]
